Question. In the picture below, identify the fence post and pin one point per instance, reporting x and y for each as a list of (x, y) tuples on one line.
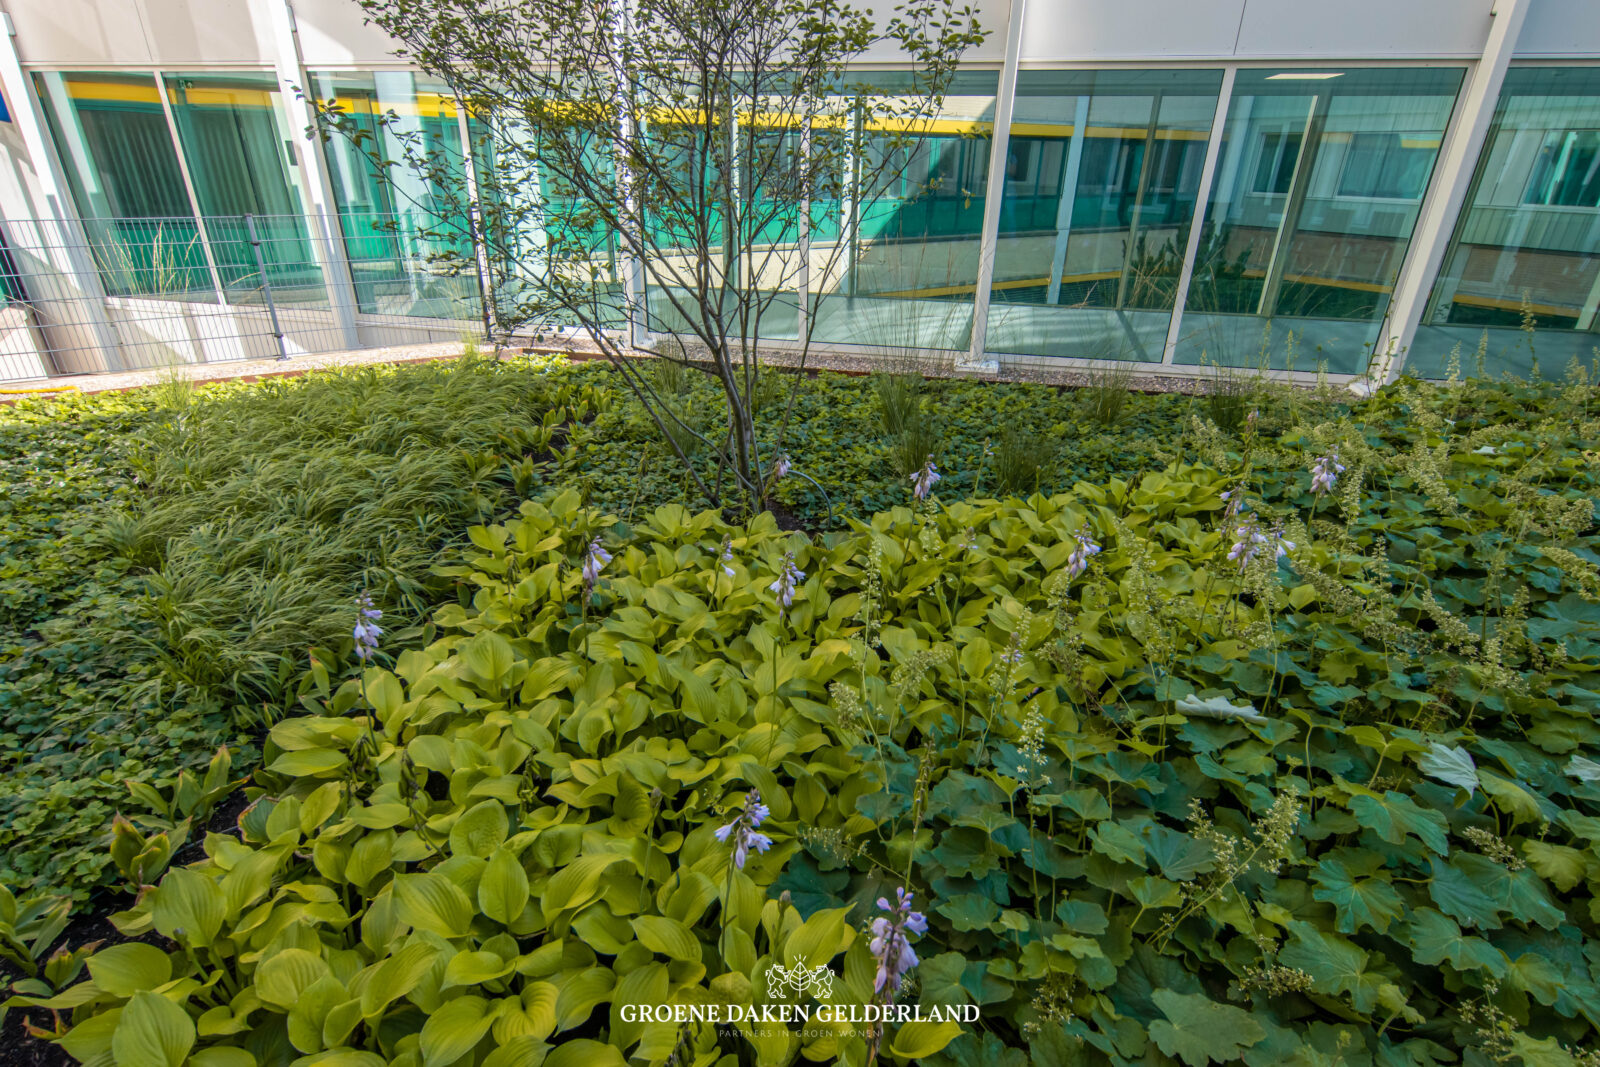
[(266, 285)]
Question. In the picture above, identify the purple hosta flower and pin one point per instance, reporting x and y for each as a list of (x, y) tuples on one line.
[(1276, 539), (1235, 500), (743, 829), (890, 946), (594, 561), (1078, 560), (1325, 472), (780, 469), (789, 579), (727, 555), (367, 631), (922, 481), (1250, 538)]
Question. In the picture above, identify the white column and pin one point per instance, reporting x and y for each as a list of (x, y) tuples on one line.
[(326, 238), (1202, 207), (1447, 193), (999, 148), (69, 276)]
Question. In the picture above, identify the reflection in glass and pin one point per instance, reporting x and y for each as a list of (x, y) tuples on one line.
[(112, 138), (406, 229), (1314, 199), (241, 160), (1101, 177), (1521, 277), (767, 146), (909, 268)]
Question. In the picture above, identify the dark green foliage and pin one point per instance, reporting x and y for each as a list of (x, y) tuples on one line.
[(145, 626), (1105, 398), (1023, 460)]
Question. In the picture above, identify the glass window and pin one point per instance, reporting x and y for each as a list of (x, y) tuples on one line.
[(405, 227), (241, 159), (112, 138), (766, 145), (1521, 277), (1315, 196), (1089, 251), (1568, 171), (908, 267)]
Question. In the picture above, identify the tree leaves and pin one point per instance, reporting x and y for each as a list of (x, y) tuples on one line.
[(1453, 765), (1199, 1031), (1395, 815), (1435, 938), (1348, 881)]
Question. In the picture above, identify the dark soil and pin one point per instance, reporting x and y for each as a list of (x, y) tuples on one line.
[(91, 924)]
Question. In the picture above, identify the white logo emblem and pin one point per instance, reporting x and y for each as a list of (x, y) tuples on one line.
[(799, 978)]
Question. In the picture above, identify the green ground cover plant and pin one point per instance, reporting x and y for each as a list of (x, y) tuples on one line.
[(1281, 751), (171, 554)]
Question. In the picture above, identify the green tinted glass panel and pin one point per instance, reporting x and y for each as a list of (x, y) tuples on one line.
[(900, 265), (406, 228), (1102, 172), (1521, 278), (1313, 202), (112, 137), (241, 159)]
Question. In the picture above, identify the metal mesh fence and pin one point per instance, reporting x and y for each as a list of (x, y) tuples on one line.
[(112, 294)]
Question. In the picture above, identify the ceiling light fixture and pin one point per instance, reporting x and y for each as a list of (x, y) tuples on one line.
[(1305, 76)]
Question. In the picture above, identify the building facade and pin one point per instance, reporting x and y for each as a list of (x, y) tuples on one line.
[(1370, 187)]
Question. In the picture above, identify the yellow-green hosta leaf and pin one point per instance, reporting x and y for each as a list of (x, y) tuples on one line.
[(468, 968), (819, 938), (222, 1056), (152, 1032), (539, 1001), (480, 830), (343, 1057), (914, 1040), (585, 1053), (283, 978), (90, 1040), (523, 1051), (309, 762), (188, 906), (576, 884), (667, 936), (434, 903), (385, 693), (452, 1031), (397, 976), (123, 970), (503, 888)]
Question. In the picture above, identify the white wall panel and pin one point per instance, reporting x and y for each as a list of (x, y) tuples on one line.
[(87, 33), (1561, 28), (991, 15), (186, 32), (332, 33), (1348, 28), (1094, 29)]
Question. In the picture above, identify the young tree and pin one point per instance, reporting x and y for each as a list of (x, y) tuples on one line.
[(679, 147)]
